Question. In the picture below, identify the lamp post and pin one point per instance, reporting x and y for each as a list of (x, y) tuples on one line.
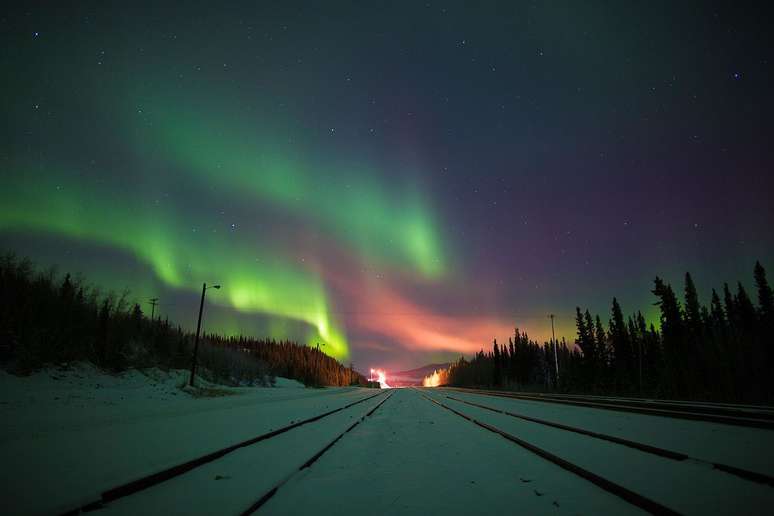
[(198, 329)]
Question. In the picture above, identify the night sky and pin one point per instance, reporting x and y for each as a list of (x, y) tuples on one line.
[(401, 182)]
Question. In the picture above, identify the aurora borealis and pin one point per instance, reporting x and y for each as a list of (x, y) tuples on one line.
[(400, 183)]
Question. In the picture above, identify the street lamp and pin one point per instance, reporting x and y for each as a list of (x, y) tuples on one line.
[(198, 329)]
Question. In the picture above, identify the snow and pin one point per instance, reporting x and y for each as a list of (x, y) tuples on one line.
[(72, 434), (405, 459), (414, 458), (287, 383), (232, 484), (687, 487), (747, 448)]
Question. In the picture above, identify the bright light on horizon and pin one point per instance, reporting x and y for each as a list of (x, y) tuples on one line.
[(381, 377), (438, 378)]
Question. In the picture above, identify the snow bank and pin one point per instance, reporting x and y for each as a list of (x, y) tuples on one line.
[(288, 383)]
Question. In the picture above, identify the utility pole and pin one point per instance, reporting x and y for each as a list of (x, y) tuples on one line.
[(153, 302), (198, 329), (556, 354)]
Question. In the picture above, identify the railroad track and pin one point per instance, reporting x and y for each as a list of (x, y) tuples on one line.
[(654, 450), (308, 463), (760, 417), (677, 403), (611, 487), (626, 490), (143, 483)]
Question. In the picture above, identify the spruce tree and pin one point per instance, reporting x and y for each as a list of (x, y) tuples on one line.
[(673, 334), (745, 308), (698, 359), (730, 307), (511, 361), (717, 316), (765, 297), (497, 364), (622, 352), (692, 308), (585, 342), (636, 338), (766, 324), (602, 359)]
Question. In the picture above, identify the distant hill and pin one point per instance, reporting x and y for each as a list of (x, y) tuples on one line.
[(413, 376)]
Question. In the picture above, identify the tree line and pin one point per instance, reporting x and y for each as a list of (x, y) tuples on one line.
[(721, 351), (46, 319), (287, 359)]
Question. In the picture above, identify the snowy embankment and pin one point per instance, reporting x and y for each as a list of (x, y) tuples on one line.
[(69, 434)]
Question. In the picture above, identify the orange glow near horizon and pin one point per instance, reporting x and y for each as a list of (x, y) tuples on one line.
[(386, 311), (434, 380), (417, 328)]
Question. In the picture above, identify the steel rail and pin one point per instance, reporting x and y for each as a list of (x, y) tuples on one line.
[(611, 487), (646, 448), (308, 463), (755, 421), (151, 480)]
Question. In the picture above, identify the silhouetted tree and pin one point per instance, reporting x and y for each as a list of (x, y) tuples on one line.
[(673, 335), (765, 297), (720, 351), (585, 342), (621, 350), (497, 380)]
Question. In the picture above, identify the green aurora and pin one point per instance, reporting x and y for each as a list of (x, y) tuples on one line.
[(382, 225), (209, 154), (178, 256), (332, 167)]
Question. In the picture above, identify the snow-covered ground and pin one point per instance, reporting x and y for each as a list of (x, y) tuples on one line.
[(232, 484), (748, 448), (68, 435), (414, 458), (688, 487)]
